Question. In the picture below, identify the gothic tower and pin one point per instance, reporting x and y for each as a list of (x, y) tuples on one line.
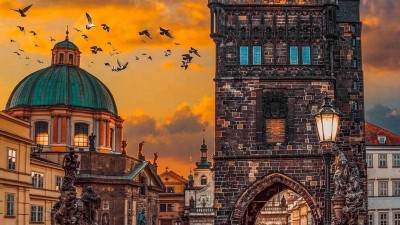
[(275, 61)]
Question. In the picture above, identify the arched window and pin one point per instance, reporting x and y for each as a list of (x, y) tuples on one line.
[(61, 58), (71, 59), (203, 180), (42, 133), (81, 134)]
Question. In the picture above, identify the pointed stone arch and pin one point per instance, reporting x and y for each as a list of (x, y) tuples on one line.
[(263, 184)]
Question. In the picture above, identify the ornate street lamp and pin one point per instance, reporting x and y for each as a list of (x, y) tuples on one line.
[(327, 119)]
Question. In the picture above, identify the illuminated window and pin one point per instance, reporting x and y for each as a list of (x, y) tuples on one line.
[(81, 134), (11, 159), (256, 55), (294, 57), (37, 179), (42, 133), (306, 55), (203, 180), (59, 181), (244, 55)]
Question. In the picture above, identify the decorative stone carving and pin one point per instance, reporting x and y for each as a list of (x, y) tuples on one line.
[(348, 199), (70, 210)]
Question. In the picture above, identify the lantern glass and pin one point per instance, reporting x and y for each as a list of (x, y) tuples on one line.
[(327, 125)]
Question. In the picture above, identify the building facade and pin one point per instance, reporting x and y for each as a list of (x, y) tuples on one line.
[(64, 107), (199, 194), (383, 162), (172, 202), (29, 185), (275, 61)]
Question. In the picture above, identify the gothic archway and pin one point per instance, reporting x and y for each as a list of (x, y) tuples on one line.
[(262, 190)]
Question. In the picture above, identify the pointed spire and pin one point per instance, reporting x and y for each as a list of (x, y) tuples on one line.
[(67, 32), (204, 130)]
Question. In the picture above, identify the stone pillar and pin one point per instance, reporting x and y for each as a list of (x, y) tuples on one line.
[(55, 130), (101, 133), (107, 134), (63, 129), (338, 204)]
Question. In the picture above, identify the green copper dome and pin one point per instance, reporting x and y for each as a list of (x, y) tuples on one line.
[(66, 44), (62, 85)]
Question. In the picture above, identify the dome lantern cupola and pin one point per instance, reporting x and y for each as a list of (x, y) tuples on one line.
[(65, 53)]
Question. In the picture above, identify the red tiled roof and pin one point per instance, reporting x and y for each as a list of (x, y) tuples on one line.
[(372, 132)]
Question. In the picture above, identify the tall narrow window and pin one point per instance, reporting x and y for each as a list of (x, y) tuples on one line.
[(10, 202), (81, 134), (143, 183), (37, 179), (244, 55), (306, 55), (36, 213), (396, 218), (396, 188), (111, 137), (61, 58), (42, 133), (71, 59), (383, 219), (11, 159), (396, 160), (370, 161), (370, 187), (383, 188), (275, 107), (59, 181), (354, 63), (256, 55), (294, 55), (371, 219)]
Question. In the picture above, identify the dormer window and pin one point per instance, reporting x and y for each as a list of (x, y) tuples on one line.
[(382, 139)]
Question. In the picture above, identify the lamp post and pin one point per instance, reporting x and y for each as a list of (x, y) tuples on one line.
[(327, 119)]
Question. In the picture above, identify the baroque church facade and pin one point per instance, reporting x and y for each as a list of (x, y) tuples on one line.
[(67, 107), (275, 62)]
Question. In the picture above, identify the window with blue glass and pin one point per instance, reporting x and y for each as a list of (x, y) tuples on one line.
[(244, 55), (306, 55), (256, 55), (294, 55)]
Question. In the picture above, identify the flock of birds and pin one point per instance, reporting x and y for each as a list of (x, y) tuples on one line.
[(186, 58)]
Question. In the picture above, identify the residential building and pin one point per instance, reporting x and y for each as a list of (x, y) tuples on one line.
[(172, 202), (383, 163)]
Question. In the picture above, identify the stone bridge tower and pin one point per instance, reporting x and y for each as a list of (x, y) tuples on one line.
[(275, 60)]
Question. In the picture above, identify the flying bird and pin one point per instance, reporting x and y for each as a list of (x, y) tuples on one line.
[(194, 51), (90, 23), (21, 50), (39, 61), (33, 32), (168, 52), (187, 58), (23, 11), (184, 65), (22, 29), (105, 27), (176, 43), (52, 39), (18, 54), (12, 40), (85, 37), (95, 49), (36, 45), (150, 58), (109, 43), (143, 41), (137, 58), (107, 64), (165, 32), (122, 66), (26, 57), (77, 29), (145, 32)]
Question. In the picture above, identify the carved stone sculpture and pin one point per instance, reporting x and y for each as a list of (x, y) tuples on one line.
[(141, 220), (92, 139)]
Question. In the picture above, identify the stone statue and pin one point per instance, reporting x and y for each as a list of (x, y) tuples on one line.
[(91, 202), (348, 187), (92, 139), (192, 203), (155, 158), (124, 145), (69, 209), (141, 220), (140, 153)]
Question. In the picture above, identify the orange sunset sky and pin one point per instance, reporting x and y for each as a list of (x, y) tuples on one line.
[(162, 103)]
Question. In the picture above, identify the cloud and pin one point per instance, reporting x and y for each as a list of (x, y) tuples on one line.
[(183, 121), (385, 117)]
